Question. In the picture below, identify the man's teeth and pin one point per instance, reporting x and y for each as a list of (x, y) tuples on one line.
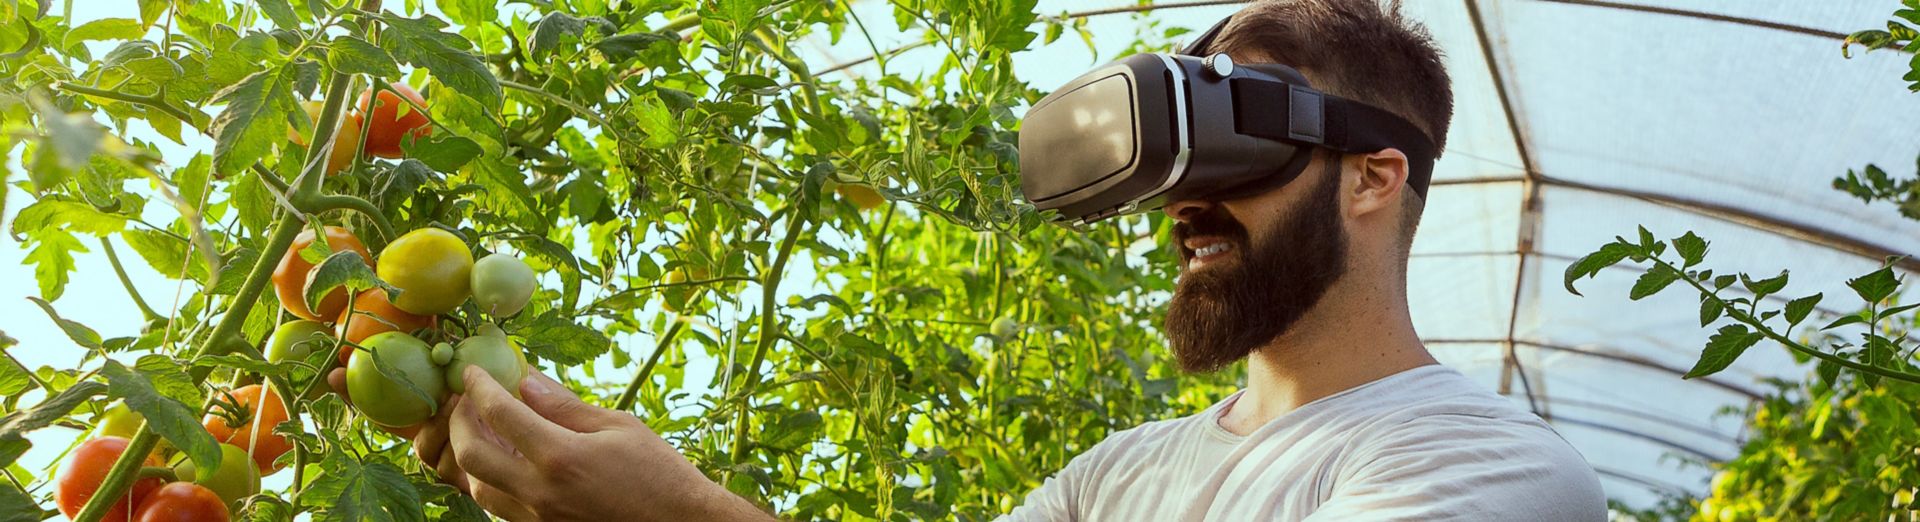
[(1212, 249)]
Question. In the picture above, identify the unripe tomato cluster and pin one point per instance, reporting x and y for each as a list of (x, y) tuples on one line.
[(434, 273)]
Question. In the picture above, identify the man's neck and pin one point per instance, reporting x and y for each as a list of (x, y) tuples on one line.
[(1352, 337)]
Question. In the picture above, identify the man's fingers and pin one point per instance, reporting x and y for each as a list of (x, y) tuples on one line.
[(521, 428), (450, 473), (431, 442), (479, 451), (501, 504), (554, 402)]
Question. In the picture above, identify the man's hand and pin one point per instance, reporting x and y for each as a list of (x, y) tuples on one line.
[(555, 457)]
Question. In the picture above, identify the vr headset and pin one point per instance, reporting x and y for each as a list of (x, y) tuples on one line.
[(1151, 128)]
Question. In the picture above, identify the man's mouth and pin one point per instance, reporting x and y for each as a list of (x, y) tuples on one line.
[(1206, 251)]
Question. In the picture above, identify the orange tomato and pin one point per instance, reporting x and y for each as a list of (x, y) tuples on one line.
[(387, 126), (344, 145), (251, 428), (373, 313), (87, 467), (290, 277)]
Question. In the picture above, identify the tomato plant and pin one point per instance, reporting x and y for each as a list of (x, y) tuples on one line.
[(788, 270)]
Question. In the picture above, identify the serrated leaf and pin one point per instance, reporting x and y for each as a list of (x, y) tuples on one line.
[(104, 29), (52, 260), (444, 154), (80, 333), (1608, 255), (281, 13), (1692, 248), (562, 341), (420, 42), (353, 491), (547, 33), (66, 215), (659, 124), (1875, 286), (1652, 282), (343, 268), (1710, 310), (1722, 349), (1798, 309), (169, 378), (16, 425), (166, 254), (254, 120), (171, 419), (1722, 282), (352, 55), (1764, 287)]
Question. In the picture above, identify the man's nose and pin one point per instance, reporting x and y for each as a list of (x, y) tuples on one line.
[(1185, 210)]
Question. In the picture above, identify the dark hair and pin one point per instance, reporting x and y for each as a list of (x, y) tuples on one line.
[(1362, 50), (1358, 49)]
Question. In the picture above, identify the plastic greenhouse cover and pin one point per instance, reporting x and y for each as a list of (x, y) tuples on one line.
[(1725, 117)]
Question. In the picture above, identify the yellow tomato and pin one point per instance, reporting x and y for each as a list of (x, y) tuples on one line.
[(432, 268)]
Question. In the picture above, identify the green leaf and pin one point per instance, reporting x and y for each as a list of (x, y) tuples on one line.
[(15, 505), (564, 342), (1652, 282), (547, 33), (352, 55), (169, 418), (1710, 310), (80, 333), (1875, 286), (104, 29), (66, 215), (444, 154), (1764, 287), (281, 13), (1890, 312), (169, 378), (16, 425), (343, 268), (52, 260), (255, 118), (1608, 255), (659, 123), (1798, 309), (1844, 320), (420, 42), (353, 491), (620, 48), (166, 254), (1691, 248), (1723, 348), (1722, 282)]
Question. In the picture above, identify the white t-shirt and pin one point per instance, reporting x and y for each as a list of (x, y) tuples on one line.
[(1423, 444)]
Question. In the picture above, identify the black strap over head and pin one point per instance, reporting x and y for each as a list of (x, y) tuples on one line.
[(1206, 39), (1301, 114)]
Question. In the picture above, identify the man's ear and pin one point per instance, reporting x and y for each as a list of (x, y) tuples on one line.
[(1382, 177)]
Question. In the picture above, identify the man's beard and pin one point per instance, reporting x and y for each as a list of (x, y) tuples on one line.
[(1224, 312)]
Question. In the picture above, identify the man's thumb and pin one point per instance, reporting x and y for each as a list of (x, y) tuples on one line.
[(557, 404)]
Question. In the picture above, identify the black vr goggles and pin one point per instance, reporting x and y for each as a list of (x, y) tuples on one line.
[(1152, 128)]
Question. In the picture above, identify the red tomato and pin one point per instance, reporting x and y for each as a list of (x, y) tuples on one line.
[(386, 128), (290, 277), (373, 314), (182, 502), (87, 467), (253, 430)]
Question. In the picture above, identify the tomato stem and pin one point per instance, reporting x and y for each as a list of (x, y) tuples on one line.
[(106, 245), (768, 322), (625, 402), (328, 202)]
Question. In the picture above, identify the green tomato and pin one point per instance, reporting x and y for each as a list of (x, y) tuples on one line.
[(119, 421), (388, 402), (295, 340), (235, 480), (1005, 328), (502, 285), (492, 351)]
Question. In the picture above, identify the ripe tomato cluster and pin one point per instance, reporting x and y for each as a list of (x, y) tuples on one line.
[(153, 497), (383, 125)]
